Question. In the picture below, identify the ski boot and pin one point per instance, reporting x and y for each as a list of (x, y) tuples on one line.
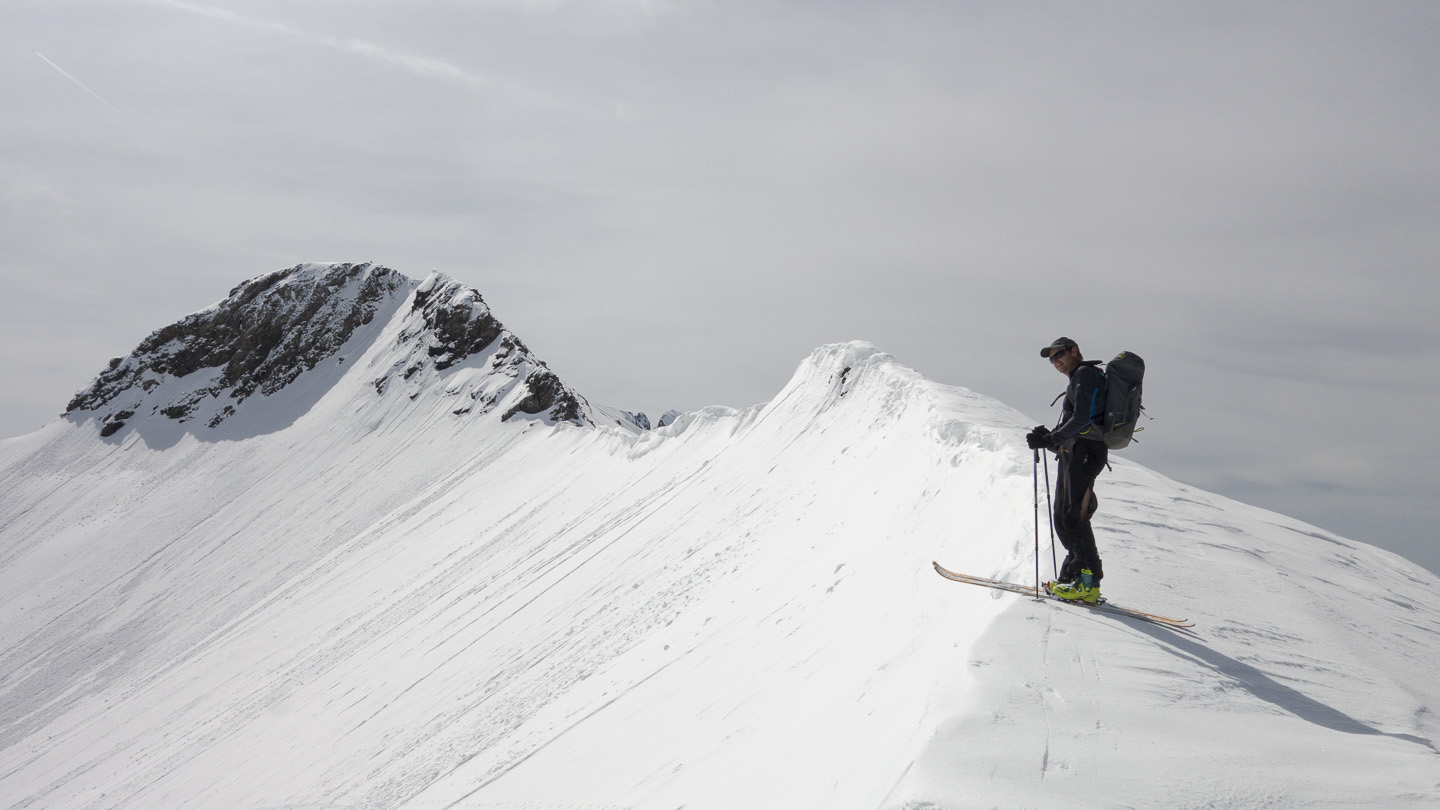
[(1084, 589)]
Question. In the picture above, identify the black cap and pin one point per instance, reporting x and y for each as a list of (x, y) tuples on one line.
[(1060, 344)]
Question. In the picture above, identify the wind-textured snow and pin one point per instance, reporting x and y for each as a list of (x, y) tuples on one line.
[(385, 601)]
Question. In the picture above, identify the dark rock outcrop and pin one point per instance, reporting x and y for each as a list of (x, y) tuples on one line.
[(264, 335), (272, 329)]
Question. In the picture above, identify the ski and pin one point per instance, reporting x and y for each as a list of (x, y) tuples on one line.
[(1027, 590)]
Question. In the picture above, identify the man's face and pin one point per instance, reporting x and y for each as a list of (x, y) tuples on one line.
[(1065, 360)]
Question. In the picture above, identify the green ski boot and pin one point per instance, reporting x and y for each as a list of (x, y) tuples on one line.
[(1084, 589)]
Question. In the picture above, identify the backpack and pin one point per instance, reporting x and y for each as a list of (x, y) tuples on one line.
[(1123, 378)]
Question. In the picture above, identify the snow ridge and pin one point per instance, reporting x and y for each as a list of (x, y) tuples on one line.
[(381, 599)]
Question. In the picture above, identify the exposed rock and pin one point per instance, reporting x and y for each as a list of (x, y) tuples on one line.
[(450, 323), (547, 393)]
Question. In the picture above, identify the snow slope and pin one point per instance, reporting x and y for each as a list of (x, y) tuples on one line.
[(387, 602)]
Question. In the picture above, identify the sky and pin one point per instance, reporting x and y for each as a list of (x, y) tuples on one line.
[(674, 203)]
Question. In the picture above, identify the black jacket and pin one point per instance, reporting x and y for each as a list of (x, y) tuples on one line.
[(1084, 409)]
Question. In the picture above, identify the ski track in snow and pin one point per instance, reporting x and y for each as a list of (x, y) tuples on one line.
[(384, 604)]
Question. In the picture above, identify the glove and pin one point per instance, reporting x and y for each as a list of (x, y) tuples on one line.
[(1038, 439)]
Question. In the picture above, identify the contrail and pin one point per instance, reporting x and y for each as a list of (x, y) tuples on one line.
[(418, 65), (422, 66), (82, 86), (226, 15)]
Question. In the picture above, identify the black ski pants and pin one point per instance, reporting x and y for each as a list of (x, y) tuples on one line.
[(1075, 502)]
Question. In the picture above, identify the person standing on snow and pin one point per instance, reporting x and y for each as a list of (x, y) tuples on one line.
[(1082, 454)]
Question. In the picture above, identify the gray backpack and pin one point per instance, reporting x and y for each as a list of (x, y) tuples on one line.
[(1123, 378)]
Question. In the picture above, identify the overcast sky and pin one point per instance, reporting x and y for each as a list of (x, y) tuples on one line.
[(673, 203)]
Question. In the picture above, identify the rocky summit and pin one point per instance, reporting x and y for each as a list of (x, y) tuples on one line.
[(271, 330)]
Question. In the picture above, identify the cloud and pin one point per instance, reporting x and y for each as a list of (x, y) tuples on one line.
[(23, 187)]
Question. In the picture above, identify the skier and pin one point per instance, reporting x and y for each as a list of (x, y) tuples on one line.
[(1082, 455)]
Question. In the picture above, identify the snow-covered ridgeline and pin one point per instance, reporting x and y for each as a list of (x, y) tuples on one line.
[(433, 607), (375, 601)]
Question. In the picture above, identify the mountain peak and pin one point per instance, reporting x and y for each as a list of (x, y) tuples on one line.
[(271, 330)]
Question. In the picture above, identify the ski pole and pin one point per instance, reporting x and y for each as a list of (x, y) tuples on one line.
[(1051, 511), (1036, 478)]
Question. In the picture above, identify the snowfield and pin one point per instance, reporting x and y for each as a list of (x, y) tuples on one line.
[(373, 600)]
